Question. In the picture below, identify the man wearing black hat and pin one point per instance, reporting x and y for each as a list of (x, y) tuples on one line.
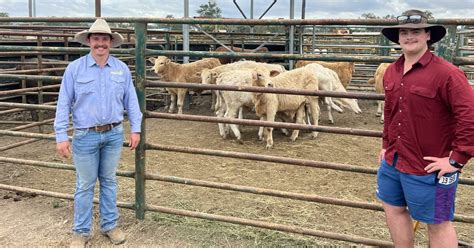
[(428, 134)]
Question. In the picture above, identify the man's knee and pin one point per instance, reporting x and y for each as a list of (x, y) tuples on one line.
[(442, 227), (394, 210)]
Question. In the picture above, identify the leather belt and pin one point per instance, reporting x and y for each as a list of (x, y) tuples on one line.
[(103, 128)]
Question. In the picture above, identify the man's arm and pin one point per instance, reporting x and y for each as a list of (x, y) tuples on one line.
[(461, 100), (386, 123), (133, 109), (61, 121), (459, 96)]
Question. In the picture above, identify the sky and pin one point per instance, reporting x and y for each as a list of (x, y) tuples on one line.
[(315, 9)]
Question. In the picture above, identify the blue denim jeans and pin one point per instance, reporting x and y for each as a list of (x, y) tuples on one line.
[(96, 156)]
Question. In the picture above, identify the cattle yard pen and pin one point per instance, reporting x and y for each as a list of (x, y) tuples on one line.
[(137, 54)]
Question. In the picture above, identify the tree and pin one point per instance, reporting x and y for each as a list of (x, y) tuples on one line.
[(209, 10), (429, 14), (389, 16), (370, 16), (174, 27), (4, 14)]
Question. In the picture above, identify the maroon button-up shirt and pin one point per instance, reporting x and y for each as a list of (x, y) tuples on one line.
[(429, 111)]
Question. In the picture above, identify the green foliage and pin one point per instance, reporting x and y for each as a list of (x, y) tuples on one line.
[(370, 15), (389, 16), (4, 14), (429, 14), (209, 10), (173, 27)]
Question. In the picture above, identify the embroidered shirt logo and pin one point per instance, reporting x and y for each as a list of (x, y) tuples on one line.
[(119, 73), (448, 180)]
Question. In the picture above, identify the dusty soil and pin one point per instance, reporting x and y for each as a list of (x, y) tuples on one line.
[(43, 221)]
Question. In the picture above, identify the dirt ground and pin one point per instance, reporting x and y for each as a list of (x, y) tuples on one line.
[(27, 220)]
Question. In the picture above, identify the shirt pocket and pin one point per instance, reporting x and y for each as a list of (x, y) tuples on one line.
[(118, 84), (424, 103), (84, 85), (389, 90)]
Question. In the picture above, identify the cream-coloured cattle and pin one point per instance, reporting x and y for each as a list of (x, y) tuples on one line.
[(378, 81), (344, 70), (174, 72), (267, 105)]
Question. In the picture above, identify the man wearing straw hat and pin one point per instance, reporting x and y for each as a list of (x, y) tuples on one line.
[(96, 88), (428, 134)]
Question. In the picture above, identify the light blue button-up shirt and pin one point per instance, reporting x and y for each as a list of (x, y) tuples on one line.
[(96, 96)]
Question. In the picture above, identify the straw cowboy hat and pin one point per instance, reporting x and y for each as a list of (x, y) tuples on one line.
[(414, 19), (100, 26)]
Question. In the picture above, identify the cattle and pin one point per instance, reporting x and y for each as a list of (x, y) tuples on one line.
[(188, 73), (344, 70), (378, 81), (267, 105)]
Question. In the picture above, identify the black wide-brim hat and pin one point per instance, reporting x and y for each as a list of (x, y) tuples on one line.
[(437, 32)]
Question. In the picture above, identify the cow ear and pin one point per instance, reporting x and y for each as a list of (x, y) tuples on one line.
[(151, 60), (274, 73), (167, 61), (255, 75)]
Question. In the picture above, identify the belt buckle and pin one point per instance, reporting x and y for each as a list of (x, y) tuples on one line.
[(98, 129), (103, 128)]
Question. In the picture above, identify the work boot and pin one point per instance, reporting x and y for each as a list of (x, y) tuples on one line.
[(116, 236), (79, 241)]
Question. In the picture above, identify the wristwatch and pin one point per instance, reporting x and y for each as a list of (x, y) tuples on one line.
[(455, 164)]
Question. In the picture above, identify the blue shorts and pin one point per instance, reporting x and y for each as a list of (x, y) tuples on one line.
[(429, 200)]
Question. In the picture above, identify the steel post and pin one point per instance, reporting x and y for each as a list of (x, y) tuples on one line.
[(140, 79)]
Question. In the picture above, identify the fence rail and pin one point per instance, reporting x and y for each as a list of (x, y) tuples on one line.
[(140, 52)]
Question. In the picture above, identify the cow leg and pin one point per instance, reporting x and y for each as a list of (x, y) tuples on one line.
[(172, 102), (382, 104), (308, 114), (214, 100), (271, 118), (232, 112), (221, 109), (329, 109), (299, 120), (338, 107), (314, 106), (261, 129), (222, 127), (241, 115), (379, 108), (285, 131), (181, 96)]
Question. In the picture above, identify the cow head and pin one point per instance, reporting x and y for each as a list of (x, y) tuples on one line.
[(208, 76), (261, 78), (161, 63)]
